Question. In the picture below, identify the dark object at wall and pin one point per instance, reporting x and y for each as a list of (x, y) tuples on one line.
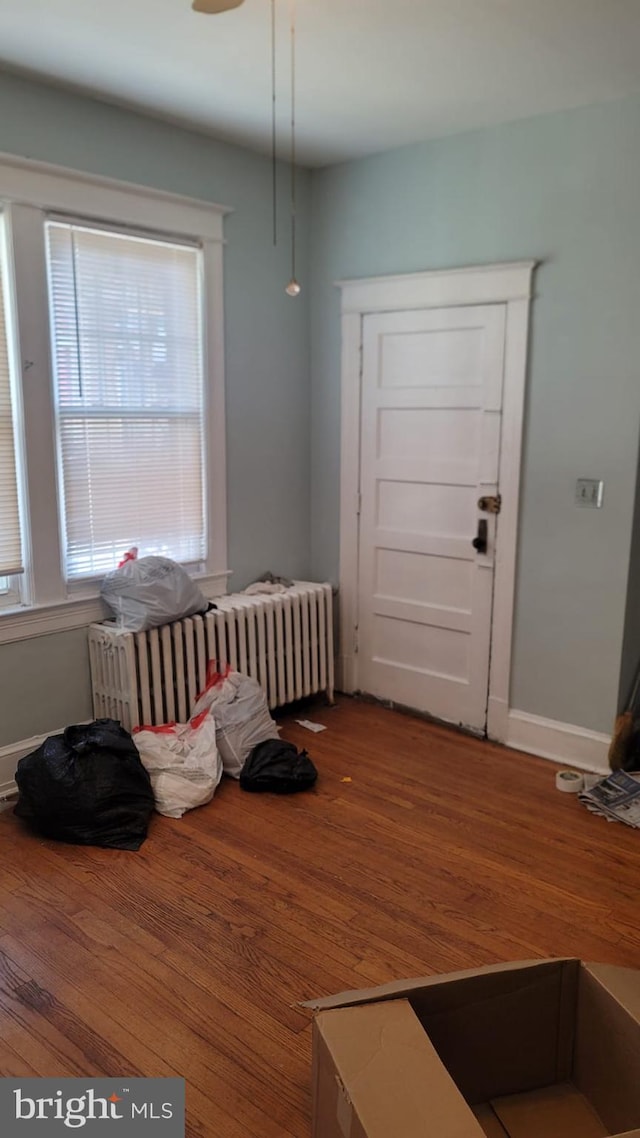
[(631, 760), (87, 786), (277, 766)]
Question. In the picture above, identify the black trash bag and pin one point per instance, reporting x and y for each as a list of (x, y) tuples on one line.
[(87, 786), (276, 766)]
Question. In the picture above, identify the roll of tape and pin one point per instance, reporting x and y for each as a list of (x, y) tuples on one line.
[(569, 782)]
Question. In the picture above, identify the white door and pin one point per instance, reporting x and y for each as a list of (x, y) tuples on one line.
[(430, 449)]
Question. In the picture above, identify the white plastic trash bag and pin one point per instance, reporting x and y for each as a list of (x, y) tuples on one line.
[(147, 592), (183, 762), (241, 714)]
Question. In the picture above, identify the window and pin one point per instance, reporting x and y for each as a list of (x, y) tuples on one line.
[(9, 591), (11, 558), (112, 417), (129, 395)]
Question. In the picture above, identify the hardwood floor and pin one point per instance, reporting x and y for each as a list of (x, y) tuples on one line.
[(190, 957)]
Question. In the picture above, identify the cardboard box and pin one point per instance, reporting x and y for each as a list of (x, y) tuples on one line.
[(540, 1049)]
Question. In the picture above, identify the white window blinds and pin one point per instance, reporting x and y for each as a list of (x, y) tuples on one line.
[(10, 540), (128, 359)]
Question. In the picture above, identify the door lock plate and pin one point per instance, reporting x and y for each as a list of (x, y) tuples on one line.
[(491, 504)]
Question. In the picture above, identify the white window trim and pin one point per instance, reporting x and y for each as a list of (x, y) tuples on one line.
[(51, 188), (30, 191)]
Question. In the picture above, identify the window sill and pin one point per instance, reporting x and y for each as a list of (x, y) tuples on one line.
[(43, 620), (25, 623)]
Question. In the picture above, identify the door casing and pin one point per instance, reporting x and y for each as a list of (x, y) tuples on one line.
[(510, 284)]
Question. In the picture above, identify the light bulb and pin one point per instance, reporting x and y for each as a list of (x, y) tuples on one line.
[(293, 288)]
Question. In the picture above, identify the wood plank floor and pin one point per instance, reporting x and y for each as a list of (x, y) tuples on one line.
[(190, 957)]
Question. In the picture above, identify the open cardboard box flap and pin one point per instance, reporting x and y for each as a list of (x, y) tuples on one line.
[(536, 1049), (622, 983), (398, 988)]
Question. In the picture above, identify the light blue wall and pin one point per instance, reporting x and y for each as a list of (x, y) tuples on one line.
[(44, 685), (266, 338), (563, 189)]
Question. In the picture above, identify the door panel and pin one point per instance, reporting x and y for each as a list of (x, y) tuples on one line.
[(430, 444), (414, 431), (431, 357), (424, 580), (443, 652), (426, 505)]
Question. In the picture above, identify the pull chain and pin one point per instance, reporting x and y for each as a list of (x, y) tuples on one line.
[(293, 288), (274, 160)]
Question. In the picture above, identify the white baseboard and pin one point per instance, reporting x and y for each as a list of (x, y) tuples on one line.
[(560, 742), (9, 757)]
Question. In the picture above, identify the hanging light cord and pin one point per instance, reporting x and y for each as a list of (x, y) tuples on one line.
[(274, 166), (293, 139)]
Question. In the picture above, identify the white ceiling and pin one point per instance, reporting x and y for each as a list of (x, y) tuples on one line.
[(372, 74)]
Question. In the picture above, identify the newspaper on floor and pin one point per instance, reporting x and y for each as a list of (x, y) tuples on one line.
[(311, 726), (616, 798)]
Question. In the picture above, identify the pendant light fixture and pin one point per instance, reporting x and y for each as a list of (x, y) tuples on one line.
[(215, 7)]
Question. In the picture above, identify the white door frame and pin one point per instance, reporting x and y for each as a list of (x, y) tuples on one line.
[(508, 284)]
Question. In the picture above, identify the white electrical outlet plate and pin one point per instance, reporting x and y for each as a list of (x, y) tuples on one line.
[(589, 492)]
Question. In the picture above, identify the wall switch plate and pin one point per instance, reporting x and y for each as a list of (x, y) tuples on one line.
[(589, 492)]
